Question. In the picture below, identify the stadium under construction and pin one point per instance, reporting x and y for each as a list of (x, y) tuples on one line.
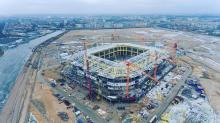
[(120, 71)]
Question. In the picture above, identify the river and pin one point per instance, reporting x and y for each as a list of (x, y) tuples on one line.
[(12, 62)]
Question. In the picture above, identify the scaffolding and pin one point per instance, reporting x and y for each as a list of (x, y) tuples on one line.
[(112, 69), (105, 68)]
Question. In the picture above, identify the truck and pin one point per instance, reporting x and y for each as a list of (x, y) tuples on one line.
[(153, 119)]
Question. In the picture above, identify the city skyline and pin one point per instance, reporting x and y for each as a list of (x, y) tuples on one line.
[(97, 7)]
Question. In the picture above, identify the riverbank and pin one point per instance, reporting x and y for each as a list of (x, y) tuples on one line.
[(12, 63), (1, 52), (15, 103)]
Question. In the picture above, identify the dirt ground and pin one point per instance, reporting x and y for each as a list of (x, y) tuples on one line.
[(211, 82), (203, 47), (52, 107), (200, 45), (52, 73)]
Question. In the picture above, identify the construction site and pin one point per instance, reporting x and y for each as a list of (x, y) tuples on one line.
[(119, 71), (117, 76)]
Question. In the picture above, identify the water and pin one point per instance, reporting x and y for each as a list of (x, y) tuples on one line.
[(12, 62)]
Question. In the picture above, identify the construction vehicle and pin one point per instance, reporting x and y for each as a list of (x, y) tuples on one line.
[(63, 115), (153, 119), (114, 36), (159, 96), (165, 117), (135, 118)]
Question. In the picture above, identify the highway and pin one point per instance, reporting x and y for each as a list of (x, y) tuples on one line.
[(171, 96)]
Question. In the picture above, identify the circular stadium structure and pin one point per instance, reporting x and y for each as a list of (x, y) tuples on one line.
[(108, 71)]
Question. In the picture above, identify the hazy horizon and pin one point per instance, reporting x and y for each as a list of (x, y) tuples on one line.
[(109, 7)]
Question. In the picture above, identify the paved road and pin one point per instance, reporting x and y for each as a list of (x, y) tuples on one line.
[(171, 96)]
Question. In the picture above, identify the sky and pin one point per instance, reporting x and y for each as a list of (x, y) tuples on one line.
[(91, 7)]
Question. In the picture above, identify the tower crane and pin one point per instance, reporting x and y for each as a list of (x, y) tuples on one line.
[(130, 65), (172, 50), (86, 70), (142, 38)]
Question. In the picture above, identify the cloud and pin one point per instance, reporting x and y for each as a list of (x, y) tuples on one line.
[(109, 7)]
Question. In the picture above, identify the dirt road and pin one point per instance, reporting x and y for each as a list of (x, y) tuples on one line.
[(19, 98)]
